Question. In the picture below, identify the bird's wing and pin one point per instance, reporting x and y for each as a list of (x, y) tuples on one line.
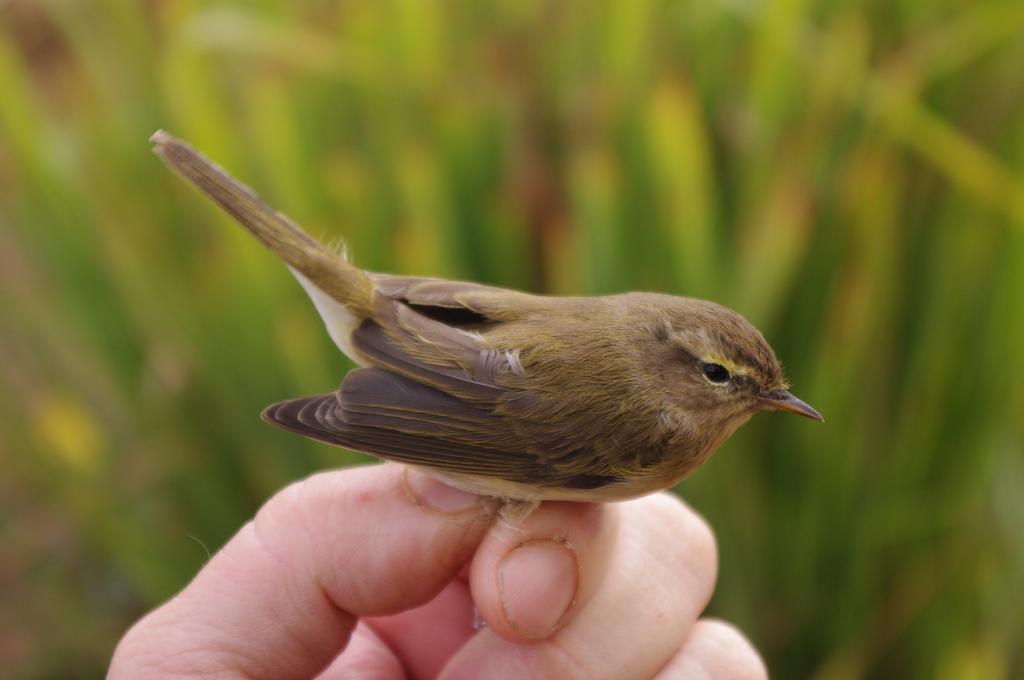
[(437, 362), (435, 332), (397, 418), (437, 395), (479, 303)]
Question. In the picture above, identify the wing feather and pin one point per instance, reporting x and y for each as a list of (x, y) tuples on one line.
[(372, 341), (395, 418)]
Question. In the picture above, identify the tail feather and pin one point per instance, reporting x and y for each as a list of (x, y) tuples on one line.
[(330, 272)]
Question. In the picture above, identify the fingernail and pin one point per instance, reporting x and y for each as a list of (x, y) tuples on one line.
[(427, 492), (537, 583)]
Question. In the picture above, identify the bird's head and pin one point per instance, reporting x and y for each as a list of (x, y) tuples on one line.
[(718, 367)]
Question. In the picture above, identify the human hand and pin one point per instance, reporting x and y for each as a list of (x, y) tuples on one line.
[(374, 572)]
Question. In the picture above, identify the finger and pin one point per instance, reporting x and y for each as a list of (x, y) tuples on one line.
[(528, 578), (428, 636), (715, 650), (281, 598), (366, 657), (644, 570)]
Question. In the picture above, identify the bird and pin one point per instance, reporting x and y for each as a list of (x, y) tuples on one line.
[(520, 397)]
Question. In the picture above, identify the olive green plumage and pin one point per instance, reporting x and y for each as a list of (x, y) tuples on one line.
[(518, 396)]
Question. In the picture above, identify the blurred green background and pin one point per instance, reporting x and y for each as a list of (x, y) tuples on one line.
[(848, 175)]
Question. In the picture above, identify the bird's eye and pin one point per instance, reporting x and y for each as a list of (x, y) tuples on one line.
[(716, 373)]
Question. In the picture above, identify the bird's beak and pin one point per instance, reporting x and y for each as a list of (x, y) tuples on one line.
[(782, 400)]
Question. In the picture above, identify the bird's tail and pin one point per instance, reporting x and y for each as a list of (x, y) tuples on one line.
[(331, 273)]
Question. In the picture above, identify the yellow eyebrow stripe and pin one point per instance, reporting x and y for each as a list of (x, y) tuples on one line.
[(732, 367)]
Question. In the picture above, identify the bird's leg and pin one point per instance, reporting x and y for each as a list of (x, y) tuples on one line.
[(515, 511)]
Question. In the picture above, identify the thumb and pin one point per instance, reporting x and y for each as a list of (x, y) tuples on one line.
[(281, 599)]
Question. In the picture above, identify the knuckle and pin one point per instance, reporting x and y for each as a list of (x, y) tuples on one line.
[(683, 519), (692, 534), (283, 524), (304, 505), (161, 645), (727, 652)]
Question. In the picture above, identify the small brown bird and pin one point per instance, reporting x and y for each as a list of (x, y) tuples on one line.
[(521, 397)]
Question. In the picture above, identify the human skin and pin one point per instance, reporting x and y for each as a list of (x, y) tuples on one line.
[(376, 572)]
